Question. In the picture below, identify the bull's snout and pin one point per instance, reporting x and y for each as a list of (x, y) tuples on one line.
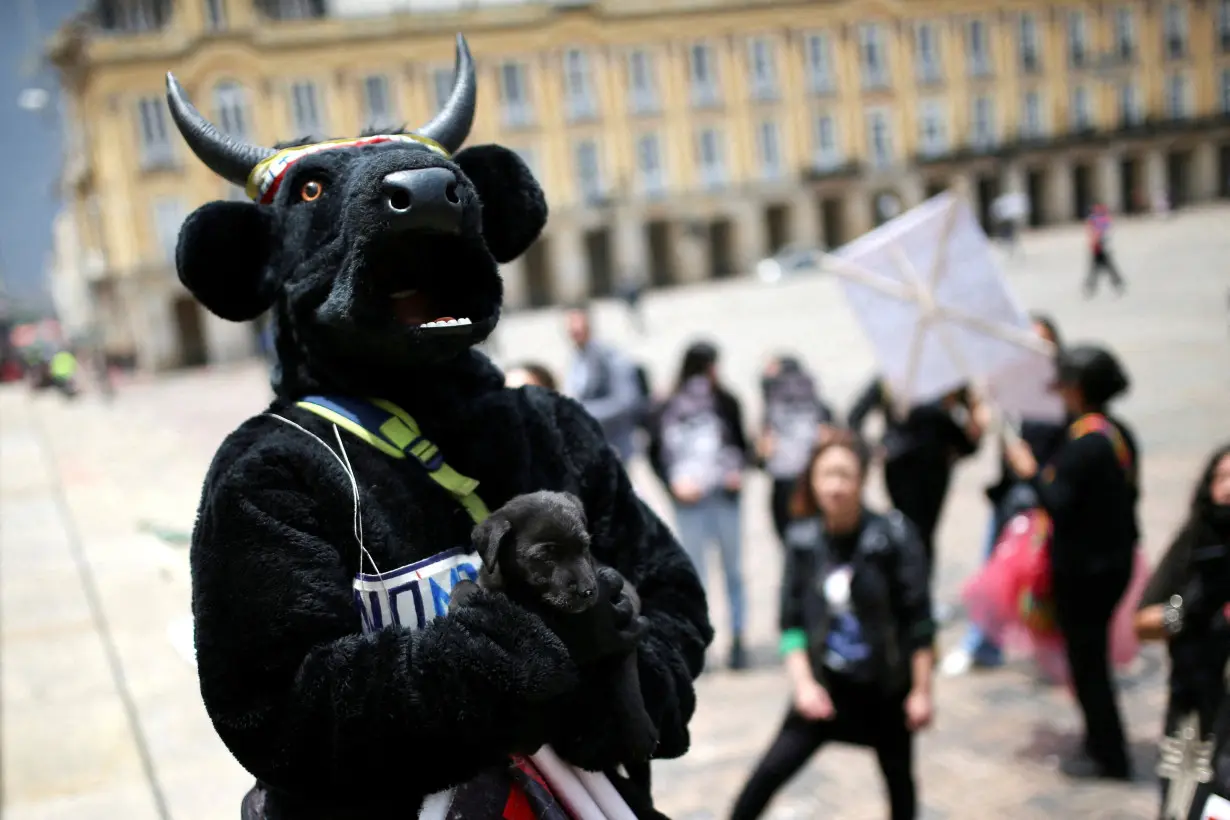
[(422, 199)]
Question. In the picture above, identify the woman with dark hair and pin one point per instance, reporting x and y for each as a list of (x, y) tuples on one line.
[(857, 631), (1185, 605), (530, 373), (1089, 491), (698, 448)]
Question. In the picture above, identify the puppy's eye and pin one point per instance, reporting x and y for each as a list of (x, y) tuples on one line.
[(311, 190)]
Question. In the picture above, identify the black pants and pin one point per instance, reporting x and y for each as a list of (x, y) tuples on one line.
[(864, 717), (1084, 606), (1102, 263), (779, 504), (918, 486)]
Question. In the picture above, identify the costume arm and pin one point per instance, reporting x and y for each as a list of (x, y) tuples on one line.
[(302, 699), (627, 536)]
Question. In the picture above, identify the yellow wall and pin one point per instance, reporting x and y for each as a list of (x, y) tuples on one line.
[(264, 57)]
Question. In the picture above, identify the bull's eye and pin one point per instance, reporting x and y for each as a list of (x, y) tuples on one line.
[(311, 190)]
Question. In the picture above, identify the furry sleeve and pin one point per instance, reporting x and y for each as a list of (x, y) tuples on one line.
[(629, 537), (303, 700)]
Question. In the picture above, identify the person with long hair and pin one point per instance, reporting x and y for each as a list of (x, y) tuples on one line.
[(1185, 605), (1089, 491), (698, 447), (857, 631)]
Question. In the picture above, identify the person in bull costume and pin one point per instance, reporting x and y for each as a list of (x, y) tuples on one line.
[(333, 525)]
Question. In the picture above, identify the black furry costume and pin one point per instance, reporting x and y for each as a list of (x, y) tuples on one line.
[(339, 724)]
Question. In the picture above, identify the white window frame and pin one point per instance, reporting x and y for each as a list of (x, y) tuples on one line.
[(824, 157), (306, 108), (818, 58), (153, 137), (1180, 80), (979, 59), (516, 109), (167, 214), (442, 78), (642, 81), (1033, 116), (589, 189), (387, 115), (1080, 116), (1224, 91), (1125, 32), (651, 178), (711, 172), (1223, 26), (932, 127), (983, 133), (876, 158), (1077, 39), (1176, 30), (928, 62), (1029, 44), (579, 99), (871, 40), (232, 114), (769, 149), (705, 90), (215, 15), (1131, 110)]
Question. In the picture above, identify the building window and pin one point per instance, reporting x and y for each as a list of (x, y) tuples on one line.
[(215, 14), (642, 85), (711, 158), (589, 170), (231, 109), (879, 138), (441, 86), (155, 142), (1080, 117), (820, 75), (133, 16), (378, 108), (1223, 25), (769, 146), (978, 48), (1027, 43), (827, 153), (1177, 96), (932, 128), (702, 72), (760, 55), (649, 165), (983, 122), (1032, 123), (1130, 110), (873, 58), (1078, 40), (1225, 91), (1174, 25), (305, 109), (927, 54), (291, 9), (579, 86), (514, 95), (1125, 33), (169, 213)]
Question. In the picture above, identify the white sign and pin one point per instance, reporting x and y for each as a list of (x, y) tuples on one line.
[(929, 294)]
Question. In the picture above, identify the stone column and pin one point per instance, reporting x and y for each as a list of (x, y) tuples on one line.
[(1155, 174), (1204, 171), (1108, 188), (691, 254), (516, 290), (631, 246), (1060, 206), (750, 237), (858, 217), (805, 218), (1013, 180), (569, 274)]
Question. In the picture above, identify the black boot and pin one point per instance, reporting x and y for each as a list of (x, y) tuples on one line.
[(738, 658)]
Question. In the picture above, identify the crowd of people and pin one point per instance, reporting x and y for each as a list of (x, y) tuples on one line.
[(858, 626)]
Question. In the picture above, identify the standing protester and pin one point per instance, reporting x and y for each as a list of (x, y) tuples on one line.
[(698, 447), (606, 384), (1185, 605), (1100, 259), (1089, 490), (1008, 496), (795, 420), (856, 632), (920, 452)]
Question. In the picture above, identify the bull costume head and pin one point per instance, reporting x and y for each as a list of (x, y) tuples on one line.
[(376, 253)]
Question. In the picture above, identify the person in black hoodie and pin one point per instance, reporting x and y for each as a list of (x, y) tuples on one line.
[(857, 631), (920, 451), (1184, 604), (1089, 490)]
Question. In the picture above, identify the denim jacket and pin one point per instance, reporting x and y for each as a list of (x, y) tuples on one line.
[(889, 594)]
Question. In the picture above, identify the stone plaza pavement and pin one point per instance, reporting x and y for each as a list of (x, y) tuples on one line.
[(100, 715)]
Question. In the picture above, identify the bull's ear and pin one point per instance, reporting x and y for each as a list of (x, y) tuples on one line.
[(223, 253), (514, 207)]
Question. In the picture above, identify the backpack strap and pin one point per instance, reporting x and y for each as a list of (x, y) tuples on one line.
[(1098, 423), (394, 432)]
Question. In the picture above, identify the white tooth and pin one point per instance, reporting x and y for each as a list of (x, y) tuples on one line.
[(463, 321)]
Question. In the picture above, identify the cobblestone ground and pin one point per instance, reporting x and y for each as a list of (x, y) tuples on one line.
[(101, 716)]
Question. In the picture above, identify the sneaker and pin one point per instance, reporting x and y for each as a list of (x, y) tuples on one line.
[(956, 663)]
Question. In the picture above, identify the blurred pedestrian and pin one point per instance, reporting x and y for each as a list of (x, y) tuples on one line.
[(1185, 604), (529, 373), (856, 632), (606, 384), (630, 293), (795, 420), (698, 447), (1100, 259), (1089, 492)]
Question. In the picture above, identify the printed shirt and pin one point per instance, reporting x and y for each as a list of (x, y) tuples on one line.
[(846, 648)]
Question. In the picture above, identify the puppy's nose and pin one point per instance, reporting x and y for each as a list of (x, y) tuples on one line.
[(588, 592)]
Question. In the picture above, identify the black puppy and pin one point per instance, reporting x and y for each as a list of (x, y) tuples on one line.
[(535, 549)]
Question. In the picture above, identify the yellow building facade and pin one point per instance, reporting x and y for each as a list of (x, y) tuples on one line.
[(677, 140)]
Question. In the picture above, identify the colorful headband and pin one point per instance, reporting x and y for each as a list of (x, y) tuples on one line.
[(267, 176)]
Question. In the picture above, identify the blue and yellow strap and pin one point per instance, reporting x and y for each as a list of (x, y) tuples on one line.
[(394, 432)]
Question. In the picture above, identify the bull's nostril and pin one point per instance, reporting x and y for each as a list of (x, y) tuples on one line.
[(450, 193), (399, 199)]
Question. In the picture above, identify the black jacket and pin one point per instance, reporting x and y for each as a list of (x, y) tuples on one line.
[(1044, 439), (928, 432), (341, 724), (888, 591)]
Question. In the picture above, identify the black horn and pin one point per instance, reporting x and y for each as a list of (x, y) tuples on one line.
[(452, 125), (227, 157)]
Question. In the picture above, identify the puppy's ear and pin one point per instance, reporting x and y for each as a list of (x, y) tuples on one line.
[(578, 508), (487, 538)]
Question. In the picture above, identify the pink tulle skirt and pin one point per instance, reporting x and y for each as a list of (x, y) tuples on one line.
[(1010, 600)]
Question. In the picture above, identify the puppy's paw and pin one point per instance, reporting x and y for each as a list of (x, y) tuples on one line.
[(463, 591)]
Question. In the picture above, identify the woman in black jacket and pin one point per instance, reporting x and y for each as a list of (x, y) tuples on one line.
[(856, 631), (1089, 491), (1185, 605)]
